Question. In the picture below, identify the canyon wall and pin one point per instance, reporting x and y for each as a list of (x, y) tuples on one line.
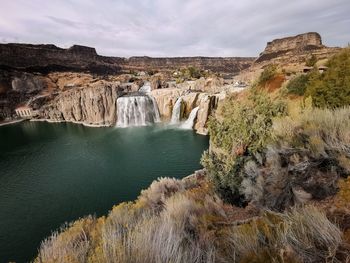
[(48, 58), (300, 44), (95, 106)]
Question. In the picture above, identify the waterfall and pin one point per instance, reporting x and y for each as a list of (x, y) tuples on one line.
[(188, 124), (138, 110), (146, 88), (176, 114)]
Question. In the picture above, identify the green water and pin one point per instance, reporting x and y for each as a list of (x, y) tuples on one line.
[(53, 173)]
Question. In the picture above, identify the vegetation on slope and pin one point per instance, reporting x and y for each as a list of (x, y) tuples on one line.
[(184, 221), (328, 89), (275, 189)]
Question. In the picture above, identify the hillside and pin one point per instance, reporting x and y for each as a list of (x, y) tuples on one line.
[(274, 188)]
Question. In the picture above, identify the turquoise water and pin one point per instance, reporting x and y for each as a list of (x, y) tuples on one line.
[(54, 173)]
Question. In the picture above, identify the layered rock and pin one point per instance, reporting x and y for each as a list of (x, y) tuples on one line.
[(207, 102), (290, 54), (48, 58), (304, 41), (231, 65), (94, 106)]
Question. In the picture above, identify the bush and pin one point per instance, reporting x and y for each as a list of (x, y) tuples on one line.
[(332, 88), (269, 72), (300, 235), (70, 244), (160, 190), (242, 130), (308, 154), (298, 85), (311, 61)]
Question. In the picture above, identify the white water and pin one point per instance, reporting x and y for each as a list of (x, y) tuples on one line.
[(176, 114), (138, 110), (188, 124), (146, 88)]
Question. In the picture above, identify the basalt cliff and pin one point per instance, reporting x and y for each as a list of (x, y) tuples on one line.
[(78, 85), (48, 58)]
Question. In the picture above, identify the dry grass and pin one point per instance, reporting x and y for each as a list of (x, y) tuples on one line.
[(322, 130), (69, 244), (301, 235), (191, 226)]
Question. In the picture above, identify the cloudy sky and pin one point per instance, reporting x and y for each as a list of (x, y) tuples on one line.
[(172, 27)]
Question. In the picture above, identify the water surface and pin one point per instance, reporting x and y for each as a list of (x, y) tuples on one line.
[(53, 173)]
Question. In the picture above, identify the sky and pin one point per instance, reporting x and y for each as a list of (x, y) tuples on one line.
[(172, 27)]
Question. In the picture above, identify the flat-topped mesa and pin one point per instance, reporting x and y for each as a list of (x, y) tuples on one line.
[(302, 41), (299, 43)]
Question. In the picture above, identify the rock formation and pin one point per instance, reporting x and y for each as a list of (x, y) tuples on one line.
[(289, 53), (94, 106), (302, 42), (48, 58)]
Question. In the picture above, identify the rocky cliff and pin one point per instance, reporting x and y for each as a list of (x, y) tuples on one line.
[(48, 58), (290, 54), (216, 64), (301, 43), (95, 106)]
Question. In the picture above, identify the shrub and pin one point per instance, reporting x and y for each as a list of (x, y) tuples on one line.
[(70, 244), (298, 85), (332, 88), (301, 235), (242, 130), (155, 196), (311, 61), (308, 154), (268, 73)]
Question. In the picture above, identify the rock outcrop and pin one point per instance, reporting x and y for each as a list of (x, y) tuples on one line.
[(206, 101), (307, 41), (290, 53), (95, 106)]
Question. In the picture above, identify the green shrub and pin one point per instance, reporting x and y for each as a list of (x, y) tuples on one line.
[(311, 61), (298, 85), (269, 72), (331, 88), (242, 130)]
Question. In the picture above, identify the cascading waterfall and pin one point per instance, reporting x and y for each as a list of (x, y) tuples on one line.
[(188, 124), (176, 114), (138, 110), (146, 89)]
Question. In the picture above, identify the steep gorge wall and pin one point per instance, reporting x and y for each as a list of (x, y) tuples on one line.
[(297, 44), (94, 106), (48, 58)]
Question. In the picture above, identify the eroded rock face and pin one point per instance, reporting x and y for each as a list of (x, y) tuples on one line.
[(89, 105), (49, 58), (28, 83), (207, 103), (301, 41)]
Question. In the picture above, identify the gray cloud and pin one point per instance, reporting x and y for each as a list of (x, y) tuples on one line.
[(172, 27)]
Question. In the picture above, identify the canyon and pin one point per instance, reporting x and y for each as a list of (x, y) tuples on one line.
[(78, 85)]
